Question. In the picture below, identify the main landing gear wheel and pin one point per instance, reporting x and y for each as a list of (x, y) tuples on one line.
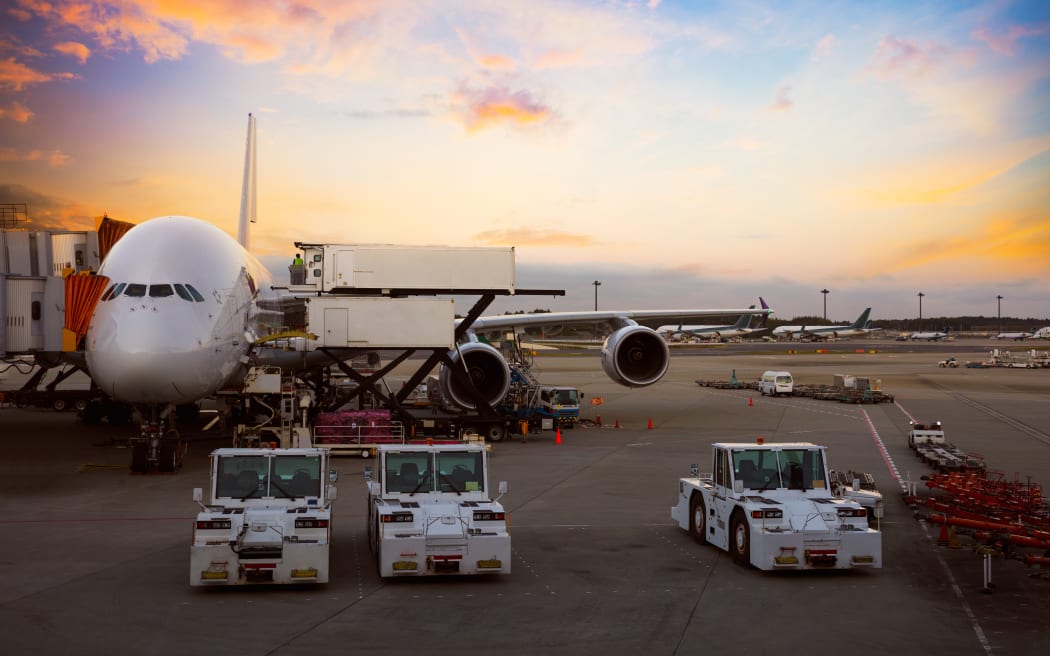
[(495, 433), (698, 519)]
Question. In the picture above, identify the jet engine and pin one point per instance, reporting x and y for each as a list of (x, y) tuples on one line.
[(635, 356), (485, 367)]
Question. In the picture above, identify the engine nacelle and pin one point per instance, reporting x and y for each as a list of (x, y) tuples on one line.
[(485, 367), (635, 356)]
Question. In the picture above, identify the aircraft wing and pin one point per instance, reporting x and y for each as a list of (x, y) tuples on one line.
[(623, 317)]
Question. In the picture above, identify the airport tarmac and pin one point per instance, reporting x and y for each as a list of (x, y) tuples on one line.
[(95, 560)]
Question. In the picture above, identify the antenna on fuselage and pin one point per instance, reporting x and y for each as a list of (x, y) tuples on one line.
[(248, 186)]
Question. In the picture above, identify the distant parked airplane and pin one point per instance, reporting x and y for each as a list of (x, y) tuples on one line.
[(741, 327), (929, 336), (1042, 333), (858, 327), (1015, 336)]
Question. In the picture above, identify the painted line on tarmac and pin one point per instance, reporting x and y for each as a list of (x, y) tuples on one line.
[(959, 594), (892, 466)]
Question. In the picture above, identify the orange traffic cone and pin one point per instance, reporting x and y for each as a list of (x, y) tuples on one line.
[(750, 401), (942, 539), (557, 436), (617, 424), (650, 423)]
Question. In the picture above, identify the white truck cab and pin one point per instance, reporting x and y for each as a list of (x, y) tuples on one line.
[(268, 519), (431, 512), (772, 507)]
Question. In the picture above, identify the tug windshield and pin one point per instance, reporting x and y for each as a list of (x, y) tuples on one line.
[(442, 471), (766, 469), (263, 476)]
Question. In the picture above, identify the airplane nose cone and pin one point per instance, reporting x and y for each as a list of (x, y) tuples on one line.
[(145, 357)]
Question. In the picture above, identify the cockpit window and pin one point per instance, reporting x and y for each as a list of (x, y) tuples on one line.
[(160, 291), (193, 292), (136, 290), (116, 290), (183, 294), (106, 295)]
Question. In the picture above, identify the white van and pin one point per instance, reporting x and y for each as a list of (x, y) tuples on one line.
[(776, 382)]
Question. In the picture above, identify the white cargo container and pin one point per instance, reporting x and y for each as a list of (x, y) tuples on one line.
[(381, 322), (384, 268)]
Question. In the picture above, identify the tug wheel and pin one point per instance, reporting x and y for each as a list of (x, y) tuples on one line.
[(698, 519), (740, 541)]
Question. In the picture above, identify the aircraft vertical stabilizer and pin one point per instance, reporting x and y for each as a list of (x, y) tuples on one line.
[(247, 187)]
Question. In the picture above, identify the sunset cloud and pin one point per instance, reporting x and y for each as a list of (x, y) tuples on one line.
[(480, 109), (1005, 43), (55, 158), (534, 237), (824, 48), (782, 103), (894, 57), (16, 112), (16, 76), (74, 49)]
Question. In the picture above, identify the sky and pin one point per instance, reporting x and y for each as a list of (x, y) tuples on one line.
[(683, 154)]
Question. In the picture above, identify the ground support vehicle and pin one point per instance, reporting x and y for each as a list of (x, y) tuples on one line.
[(930, 432), (268, 519), (859, 487), (771, 506), (430, 512), (929, 443), (775, 383), (950, 362), (536, 408)]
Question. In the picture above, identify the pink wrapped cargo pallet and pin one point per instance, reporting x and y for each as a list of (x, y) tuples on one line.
[(357, 427)]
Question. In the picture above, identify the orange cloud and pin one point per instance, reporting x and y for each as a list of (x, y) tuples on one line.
[(532, 237), (17, 76), (494, 106), (558, 59), (74, 49), (1016, 239), (55, 158), (16, 112)]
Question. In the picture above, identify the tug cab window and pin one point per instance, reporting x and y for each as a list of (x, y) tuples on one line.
[(460, 472)]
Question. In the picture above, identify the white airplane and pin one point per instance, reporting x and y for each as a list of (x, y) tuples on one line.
[(859, 327), (1042, 333), (1015, 336), (741, 327), (932, 336), (188, 307)]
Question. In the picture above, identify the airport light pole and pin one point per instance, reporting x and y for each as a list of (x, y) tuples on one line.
[(920, 310), (999, 310), (825, 293), (596, 284)]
